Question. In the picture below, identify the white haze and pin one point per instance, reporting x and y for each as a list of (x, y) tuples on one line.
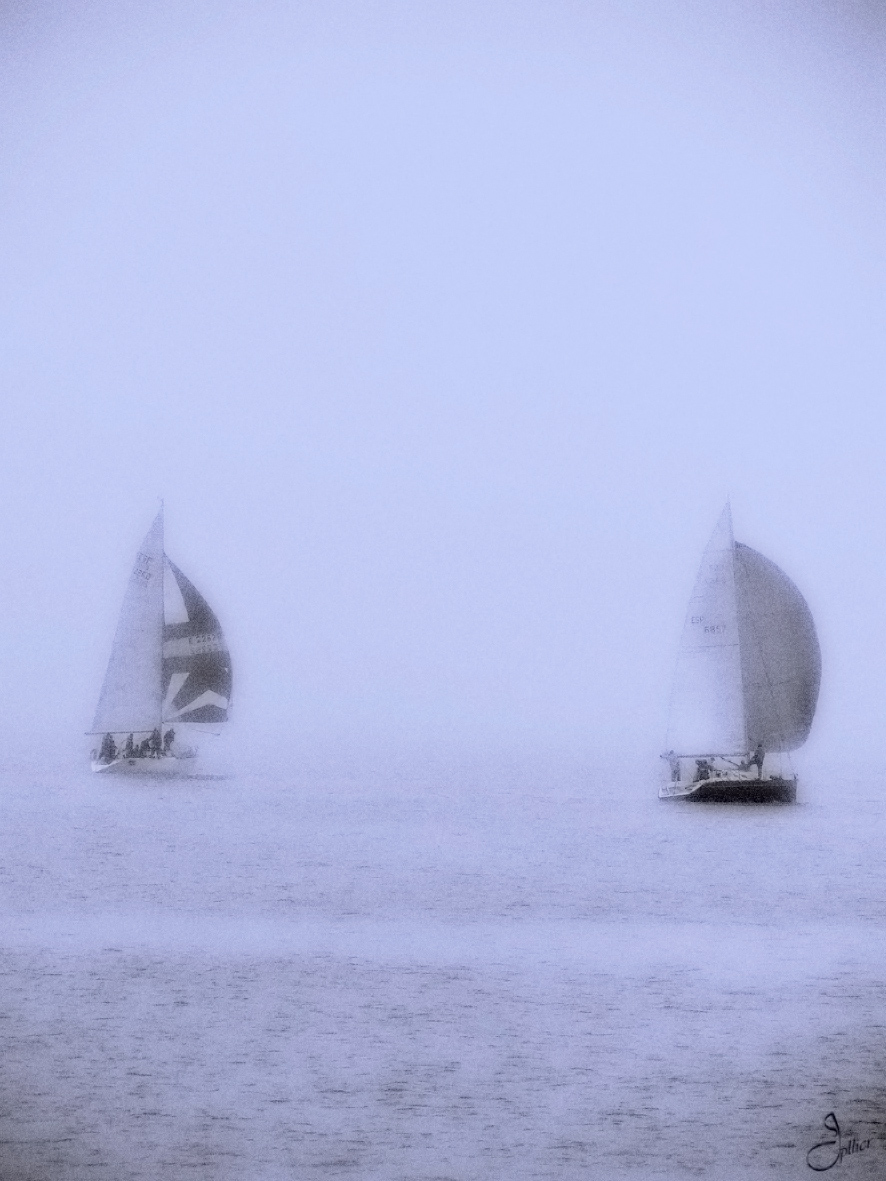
[(444, 331)]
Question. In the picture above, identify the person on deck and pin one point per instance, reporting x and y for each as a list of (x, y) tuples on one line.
[(168, 739), (156, 744), (756, 759), (109, 749), (129, 749), (703, 769), (674, 764)]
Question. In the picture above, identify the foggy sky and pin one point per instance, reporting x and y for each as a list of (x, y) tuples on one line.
[(444, 331)]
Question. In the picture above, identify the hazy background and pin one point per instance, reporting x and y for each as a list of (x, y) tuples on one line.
[(444, 330)]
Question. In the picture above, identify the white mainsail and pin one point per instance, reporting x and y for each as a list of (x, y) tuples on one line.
[(707, 707), (749, 665), (131, 695)]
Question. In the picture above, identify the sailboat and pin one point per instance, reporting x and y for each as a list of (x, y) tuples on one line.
[(747, 680), (169, 668)]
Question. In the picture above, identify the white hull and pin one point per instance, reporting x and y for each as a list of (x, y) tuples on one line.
[(166, 767)]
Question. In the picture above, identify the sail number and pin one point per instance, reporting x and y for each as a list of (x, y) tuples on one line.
[(142, 569), (710, 629)]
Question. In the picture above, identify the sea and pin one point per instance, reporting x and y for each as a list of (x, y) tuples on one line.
[(439, 967)]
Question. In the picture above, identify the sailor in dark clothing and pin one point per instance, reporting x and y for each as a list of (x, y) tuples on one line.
[(156, 743), (109, 749), (756, 759), (144, 748), (702, 769), (168, 739), (129, 750)]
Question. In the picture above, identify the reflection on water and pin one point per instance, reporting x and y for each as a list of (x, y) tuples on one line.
[(532, 972)]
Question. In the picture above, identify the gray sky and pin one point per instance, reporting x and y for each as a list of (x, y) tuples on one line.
[(444, 330)]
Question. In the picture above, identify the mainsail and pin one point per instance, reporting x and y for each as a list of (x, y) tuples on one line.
[(131, 693), (749, 665), (169, 661), (707, 707)]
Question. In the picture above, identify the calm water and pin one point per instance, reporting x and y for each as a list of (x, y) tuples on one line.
[(432, 971)]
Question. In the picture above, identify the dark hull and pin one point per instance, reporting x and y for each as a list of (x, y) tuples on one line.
[(772, 790)]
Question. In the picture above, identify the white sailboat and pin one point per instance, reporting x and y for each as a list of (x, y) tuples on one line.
[(169, 668), (747, 680)]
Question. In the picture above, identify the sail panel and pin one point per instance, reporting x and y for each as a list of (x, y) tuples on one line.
[(131, 694), (707, 707), (780, 656), (196, 663)]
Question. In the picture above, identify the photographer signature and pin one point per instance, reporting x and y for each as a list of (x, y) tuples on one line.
[(828, 1153)]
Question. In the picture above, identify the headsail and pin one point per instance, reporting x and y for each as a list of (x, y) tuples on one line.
[(196, 661), (131, 694), (707, 706), (780, 656)]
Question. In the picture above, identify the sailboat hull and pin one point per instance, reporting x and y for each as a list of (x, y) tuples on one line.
[(773, 789), (167, 767)]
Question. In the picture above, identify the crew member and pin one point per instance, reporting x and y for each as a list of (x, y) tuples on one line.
[(756, 759)]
